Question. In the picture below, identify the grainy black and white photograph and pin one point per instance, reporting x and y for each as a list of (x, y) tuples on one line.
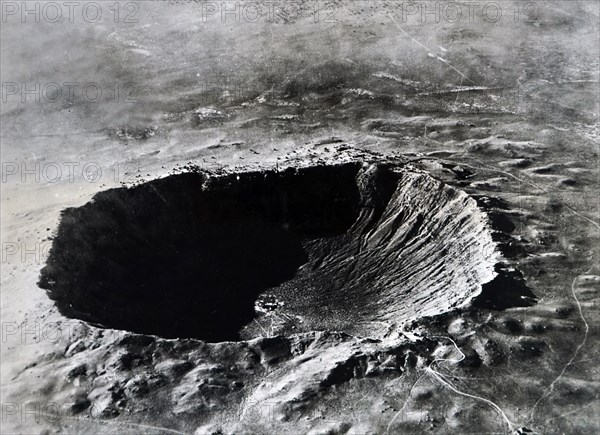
[(300, 217)]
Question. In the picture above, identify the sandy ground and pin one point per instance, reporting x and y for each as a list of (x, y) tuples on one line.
[(505, 110)]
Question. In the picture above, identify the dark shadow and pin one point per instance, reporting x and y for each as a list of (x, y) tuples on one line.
[(175, 258), (507, 290)]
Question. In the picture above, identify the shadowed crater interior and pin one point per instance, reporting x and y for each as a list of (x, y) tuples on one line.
[(349, 247)]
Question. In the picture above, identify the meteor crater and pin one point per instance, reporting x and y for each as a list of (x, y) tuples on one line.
[(353, 247)]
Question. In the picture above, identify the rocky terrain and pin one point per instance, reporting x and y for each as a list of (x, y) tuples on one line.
[(378, 224)]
